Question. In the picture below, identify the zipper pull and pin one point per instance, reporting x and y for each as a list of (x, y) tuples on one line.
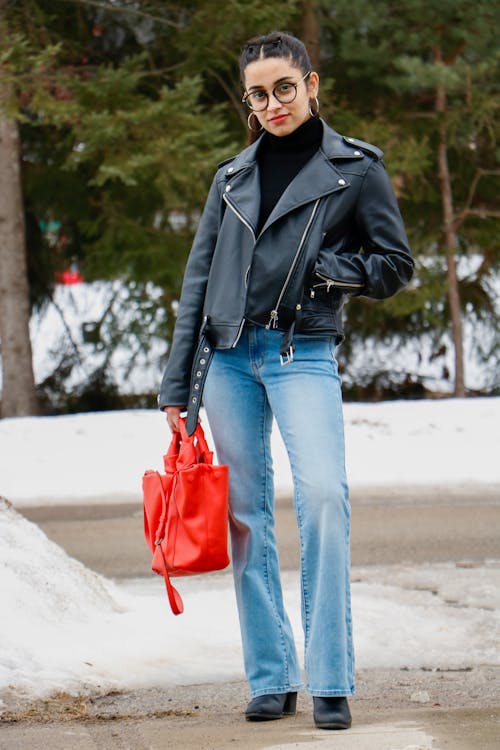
[(312, 294), (329, 284), (273, 321)]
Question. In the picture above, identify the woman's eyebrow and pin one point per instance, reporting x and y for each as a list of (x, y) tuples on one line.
[(261, 86)]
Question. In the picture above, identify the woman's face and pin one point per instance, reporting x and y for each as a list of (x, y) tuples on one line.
[(263, 76)]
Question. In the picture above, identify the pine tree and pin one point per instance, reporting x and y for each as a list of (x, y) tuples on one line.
[(422, 78)]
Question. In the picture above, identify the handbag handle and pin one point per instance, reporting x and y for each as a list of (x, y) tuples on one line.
[(185, 450), (203, 452)]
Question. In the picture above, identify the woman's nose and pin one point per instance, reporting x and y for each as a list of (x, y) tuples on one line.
[(273, 103)]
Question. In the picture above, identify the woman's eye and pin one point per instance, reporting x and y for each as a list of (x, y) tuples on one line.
[(284, 88), (258, 95)]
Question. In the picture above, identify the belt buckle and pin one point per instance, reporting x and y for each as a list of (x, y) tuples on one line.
[(287, 359)]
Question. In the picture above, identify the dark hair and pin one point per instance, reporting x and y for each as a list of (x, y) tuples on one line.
[(275, 44)]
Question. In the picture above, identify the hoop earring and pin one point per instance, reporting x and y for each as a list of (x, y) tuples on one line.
[(311, 111), (254, 130)]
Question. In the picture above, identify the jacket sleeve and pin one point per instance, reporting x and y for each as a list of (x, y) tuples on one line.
[(174, 389), (385, 264)]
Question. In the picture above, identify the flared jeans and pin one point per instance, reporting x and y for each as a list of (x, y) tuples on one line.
[(246, 386)]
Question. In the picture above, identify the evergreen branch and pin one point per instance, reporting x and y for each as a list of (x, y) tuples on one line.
[(420, 115), (467, 210), (66, 327), (230, 93), (67, 74), (109, 306), (450, 59), (122, 9)]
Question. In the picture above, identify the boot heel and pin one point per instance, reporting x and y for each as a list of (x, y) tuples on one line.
[(290, 707)]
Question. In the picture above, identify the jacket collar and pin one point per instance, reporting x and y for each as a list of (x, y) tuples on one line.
[(333, 145), (318, 177)]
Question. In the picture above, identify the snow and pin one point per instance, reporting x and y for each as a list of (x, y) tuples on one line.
[(64, 627), (100, 457), (115, 311), (369, 357), (432, 442)]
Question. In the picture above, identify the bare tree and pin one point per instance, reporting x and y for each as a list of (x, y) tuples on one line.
[(19, 395), (450, 241), (311, 31)]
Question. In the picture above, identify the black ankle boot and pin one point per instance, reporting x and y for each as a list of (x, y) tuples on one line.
[(272, 706), (331, 713)]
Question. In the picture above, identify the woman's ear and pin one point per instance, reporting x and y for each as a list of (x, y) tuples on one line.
[(313, 84)]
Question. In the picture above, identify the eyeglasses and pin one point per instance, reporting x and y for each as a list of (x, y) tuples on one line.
[(284, 92)]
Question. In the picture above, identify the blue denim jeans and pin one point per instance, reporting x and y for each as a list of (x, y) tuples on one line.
[(245, 387)]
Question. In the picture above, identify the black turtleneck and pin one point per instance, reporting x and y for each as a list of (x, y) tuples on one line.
[(281, 158)]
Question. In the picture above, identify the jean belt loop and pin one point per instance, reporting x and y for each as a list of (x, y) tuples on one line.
[(287, 348)]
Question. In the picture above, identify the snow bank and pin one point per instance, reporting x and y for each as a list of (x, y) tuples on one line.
[(66, 628), (101, 457), (449, 442), (44, 594)]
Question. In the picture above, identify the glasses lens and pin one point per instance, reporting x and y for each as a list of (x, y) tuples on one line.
[(285, 92), (257, 100)]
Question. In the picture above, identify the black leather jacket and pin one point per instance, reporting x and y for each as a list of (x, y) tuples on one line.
[(335, 232)]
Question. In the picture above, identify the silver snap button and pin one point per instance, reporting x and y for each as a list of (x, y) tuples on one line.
[(298, 307), (202, 361), (228, 188), (351, 140), (206, 349), (357, 153), (194, 400), (230, 169), (341, 182), (198, 374), (196, 386)]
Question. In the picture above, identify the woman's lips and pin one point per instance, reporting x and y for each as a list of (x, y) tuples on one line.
[(278, 119)]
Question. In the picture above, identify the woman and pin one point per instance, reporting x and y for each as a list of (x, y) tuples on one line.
[(293, 226)]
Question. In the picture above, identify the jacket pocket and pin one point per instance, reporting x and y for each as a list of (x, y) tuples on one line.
[(322, 282), (321, 314)]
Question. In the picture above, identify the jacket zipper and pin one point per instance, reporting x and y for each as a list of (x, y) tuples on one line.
[(273, 320), (248, 226), (240, 217), (333, 282)]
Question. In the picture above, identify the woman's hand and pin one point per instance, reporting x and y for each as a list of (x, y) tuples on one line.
[(173, 414)]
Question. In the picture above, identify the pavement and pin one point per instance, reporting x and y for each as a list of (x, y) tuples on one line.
[(394, 709)]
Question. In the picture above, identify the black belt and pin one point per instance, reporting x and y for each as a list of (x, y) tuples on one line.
[(202, 358)]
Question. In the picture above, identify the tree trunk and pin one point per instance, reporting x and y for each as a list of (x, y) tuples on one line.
[(18, 383), (311, 31), (450, 242)]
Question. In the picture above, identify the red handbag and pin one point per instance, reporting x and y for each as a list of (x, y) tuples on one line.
[(186, 511)]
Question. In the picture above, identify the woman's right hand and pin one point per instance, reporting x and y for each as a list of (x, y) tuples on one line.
[(173, 413)]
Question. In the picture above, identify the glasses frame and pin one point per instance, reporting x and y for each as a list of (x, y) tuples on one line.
[(247, 94)]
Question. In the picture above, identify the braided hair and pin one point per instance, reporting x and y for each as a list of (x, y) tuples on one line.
[(275, 44)]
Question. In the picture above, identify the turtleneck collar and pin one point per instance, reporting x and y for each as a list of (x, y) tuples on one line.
[(306, 136)]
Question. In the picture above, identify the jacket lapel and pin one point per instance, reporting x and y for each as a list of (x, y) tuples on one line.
[(319, 177), (242, 191)]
